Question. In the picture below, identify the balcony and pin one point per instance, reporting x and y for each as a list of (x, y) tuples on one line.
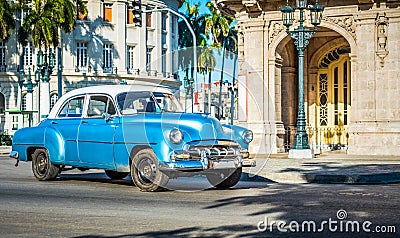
[(133, 71), (110, 70)]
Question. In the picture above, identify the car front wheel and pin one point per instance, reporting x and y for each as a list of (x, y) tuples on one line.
[(145, 172), (42, 167), (225, 178)]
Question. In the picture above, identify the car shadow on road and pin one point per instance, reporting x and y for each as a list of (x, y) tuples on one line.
[(187, 184), (93, 177)]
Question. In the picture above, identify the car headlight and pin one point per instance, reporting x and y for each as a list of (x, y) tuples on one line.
[(247, 136), (176, 136)]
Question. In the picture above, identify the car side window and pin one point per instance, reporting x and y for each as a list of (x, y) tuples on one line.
[(134, 102), (99, 104), (73, 108)]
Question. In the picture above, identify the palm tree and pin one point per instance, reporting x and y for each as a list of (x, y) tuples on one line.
[(7, 23), (43, 22), (217, 25), (185, 41), (206, 64), (46, 18), (223, 35)]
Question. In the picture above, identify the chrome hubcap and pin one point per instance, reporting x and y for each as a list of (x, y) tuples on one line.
[(147, 171), (42, 164)]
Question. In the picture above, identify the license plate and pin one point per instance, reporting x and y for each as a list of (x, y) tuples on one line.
[(222, 164)]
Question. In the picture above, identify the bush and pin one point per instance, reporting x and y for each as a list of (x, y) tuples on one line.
[(5, 139)]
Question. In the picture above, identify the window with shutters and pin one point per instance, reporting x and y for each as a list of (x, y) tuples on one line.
[(107, 12), (148, 19), (129, 15)]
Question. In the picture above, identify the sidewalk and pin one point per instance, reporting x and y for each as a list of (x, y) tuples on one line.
[(5, 150), (329, 167)]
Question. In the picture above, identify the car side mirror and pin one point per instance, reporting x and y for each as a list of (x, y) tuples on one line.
[(105, 116)]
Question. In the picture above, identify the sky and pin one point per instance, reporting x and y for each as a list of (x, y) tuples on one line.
[(203, 9)]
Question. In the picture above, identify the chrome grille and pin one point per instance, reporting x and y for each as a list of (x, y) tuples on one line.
[(215, 151)]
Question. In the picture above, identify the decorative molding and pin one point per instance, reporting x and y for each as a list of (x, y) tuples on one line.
[(346, 22), (275, 28), (365, 1), (225, 8), (252, 5), (381, 28)]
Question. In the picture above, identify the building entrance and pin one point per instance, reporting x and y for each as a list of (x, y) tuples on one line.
[(333, 99)]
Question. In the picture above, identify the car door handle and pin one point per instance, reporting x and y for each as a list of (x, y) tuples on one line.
[(54, 122), (85, 122)]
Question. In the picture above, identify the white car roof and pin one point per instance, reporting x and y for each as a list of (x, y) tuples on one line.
[(111, 90)]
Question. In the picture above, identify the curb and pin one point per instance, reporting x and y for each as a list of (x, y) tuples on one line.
[(380, 178), (247, 177), (332, 169)]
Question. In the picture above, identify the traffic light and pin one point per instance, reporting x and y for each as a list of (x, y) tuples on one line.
[(137, 12)]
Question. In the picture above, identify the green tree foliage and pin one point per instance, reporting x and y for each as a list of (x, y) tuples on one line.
[(217, 25), (7, 23), (206, 60), (197, 22), (185, 41), (45, 19)]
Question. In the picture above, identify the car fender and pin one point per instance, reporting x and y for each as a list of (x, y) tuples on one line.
[(27, 138), (238, 134), (55, 145)]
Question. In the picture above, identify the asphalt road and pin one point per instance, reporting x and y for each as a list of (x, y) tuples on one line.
[(87, 204)]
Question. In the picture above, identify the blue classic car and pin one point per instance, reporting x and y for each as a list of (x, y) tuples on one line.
[(139, 130)]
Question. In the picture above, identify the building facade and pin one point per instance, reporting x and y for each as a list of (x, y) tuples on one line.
[(106, 47), (352, 76)]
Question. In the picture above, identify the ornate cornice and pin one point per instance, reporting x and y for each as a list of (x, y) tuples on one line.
[(345, 22), (235, 6), (365, 1), (229, 7), (275, 28)]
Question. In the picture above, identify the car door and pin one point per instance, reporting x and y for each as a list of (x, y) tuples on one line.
[(67, 124), (97, 131)]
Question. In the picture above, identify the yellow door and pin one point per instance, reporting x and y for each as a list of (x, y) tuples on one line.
[(334, 102)]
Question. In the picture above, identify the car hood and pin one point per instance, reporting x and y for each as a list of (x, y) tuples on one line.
[(194, 126)]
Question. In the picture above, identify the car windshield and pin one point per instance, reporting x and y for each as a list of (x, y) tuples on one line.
[(134, 102)]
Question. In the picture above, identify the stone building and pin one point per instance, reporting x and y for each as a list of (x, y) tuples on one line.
[(352, 75), (106, 47)]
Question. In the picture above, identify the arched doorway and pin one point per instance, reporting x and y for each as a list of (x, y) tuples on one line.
[(333, 99), (327, 87)]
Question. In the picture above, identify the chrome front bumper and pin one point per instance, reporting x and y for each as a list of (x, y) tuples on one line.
[(14, 154), (209, 158)]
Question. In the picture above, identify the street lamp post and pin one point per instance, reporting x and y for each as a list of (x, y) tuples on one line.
[(29, 85), (301, 36), (233, 90), (188, 85), (45, 63)]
